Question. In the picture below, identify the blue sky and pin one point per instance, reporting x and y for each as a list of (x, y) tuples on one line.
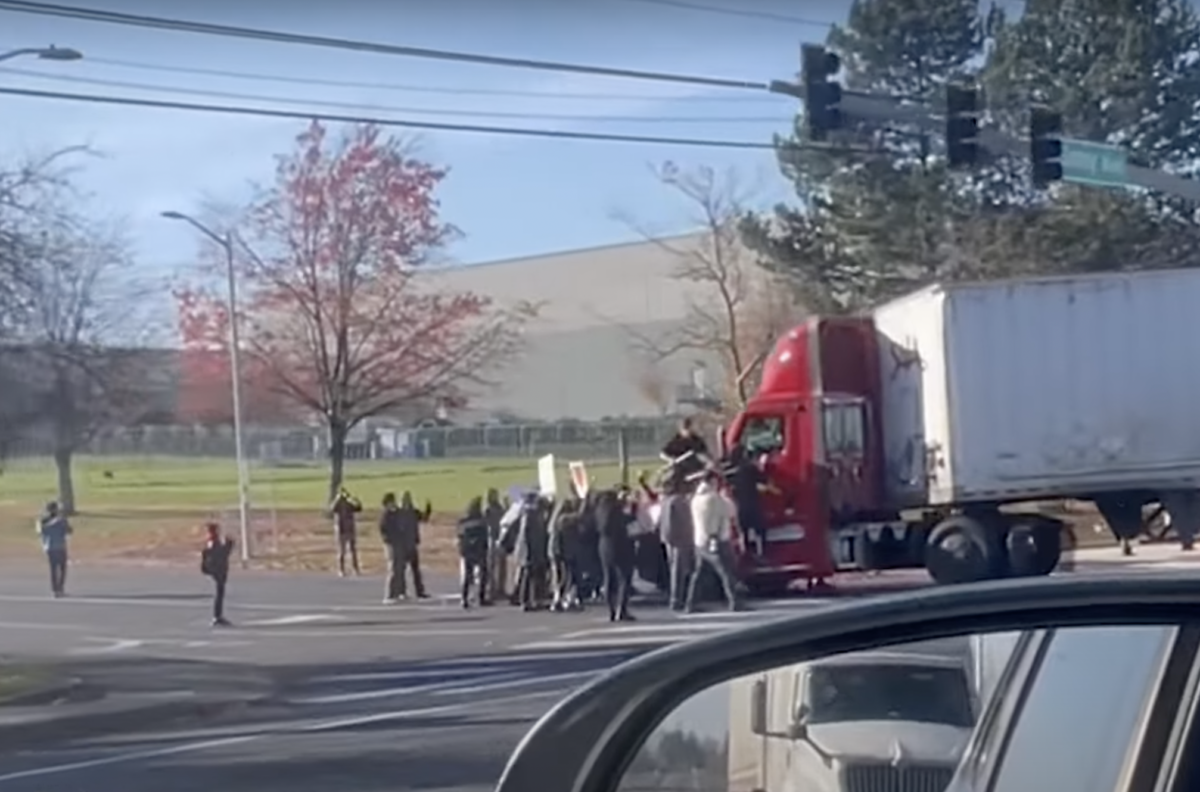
[(511, 196)]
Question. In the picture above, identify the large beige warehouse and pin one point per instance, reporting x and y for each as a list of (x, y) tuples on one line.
[(583, 356)]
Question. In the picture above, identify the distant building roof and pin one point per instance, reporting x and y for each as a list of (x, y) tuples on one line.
[(629, 283)]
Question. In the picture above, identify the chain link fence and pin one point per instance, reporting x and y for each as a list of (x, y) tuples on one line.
[(568, 439)]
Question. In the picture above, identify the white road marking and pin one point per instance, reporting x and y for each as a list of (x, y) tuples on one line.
[(370, 695), (268, 730), (398, 631), (42, 626), (234, 607), (618, 641), (114, 645), (299, 618), (512, 683)]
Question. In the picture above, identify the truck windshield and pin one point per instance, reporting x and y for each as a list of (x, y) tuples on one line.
[(897, 692), (762, 434)]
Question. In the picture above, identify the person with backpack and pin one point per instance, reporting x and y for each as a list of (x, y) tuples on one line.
[(214, 562), (53, 528)]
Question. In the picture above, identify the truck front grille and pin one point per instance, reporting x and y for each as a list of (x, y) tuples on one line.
[(889, 778)]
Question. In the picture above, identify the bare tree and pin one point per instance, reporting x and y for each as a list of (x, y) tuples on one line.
[(85, 297), (27, 187), (733, 313), (74, 315)]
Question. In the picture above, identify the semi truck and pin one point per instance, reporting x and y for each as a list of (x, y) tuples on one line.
[(918, 435), (878, 720)]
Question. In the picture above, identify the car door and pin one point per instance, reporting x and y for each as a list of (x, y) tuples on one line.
[(1074, 714)]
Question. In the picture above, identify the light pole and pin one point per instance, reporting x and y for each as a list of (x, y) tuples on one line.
[(51, 53), (226, 243)]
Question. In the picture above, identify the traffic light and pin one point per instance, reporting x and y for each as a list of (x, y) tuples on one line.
[(962, 126), (1045, 145), (821, 94)]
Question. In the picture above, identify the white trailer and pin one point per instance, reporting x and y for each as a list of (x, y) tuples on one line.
[(1042, 387), (994, 395)]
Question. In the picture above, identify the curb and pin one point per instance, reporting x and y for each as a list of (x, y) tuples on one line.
[(37, 731)]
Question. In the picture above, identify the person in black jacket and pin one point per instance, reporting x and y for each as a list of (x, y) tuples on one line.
[(564, 554), (746, 477), (616, 553), (473, 547), (214, 562), (400, 529)]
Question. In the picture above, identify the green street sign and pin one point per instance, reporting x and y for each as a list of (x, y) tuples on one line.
[(1098, 164)]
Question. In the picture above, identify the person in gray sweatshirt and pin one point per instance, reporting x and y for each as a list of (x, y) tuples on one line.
[(53, 528)]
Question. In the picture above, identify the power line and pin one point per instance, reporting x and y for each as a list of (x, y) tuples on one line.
[(374, 108), (422, 89), (735, 12), (433, 126), (280, 37)]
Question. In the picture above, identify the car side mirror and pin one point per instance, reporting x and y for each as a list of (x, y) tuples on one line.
[(758, 707), (798, 731)]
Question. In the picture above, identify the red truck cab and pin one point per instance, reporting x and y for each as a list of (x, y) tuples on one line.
[(815, 421)]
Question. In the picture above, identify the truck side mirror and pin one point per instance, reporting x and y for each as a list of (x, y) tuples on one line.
[(798, 730), (758, 707)]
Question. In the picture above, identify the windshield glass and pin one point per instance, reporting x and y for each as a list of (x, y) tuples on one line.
[(762, 434), (888, 692)]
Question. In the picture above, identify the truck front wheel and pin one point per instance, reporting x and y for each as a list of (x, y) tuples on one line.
[(961, 549)]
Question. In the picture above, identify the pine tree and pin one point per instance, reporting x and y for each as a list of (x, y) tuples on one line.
[(1124, 73), (869, 227)]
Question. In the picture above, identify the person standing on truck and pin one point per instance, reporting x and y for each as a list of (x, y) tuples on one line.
[(686, 454), (712, 516)]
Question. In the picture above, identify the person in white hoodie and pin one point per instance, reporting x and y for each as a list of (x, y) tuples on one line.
[(712, 521)]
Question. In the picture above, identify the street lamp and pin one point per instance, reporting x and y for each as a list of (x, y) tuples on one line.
[(51, 53), (226, 243)]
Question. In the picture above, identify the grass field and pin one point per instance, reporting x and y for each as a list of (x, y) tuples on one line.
[(152, 509)]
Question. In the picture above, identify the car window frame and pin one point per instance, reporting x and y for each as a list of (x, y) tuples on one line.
[(988, 773)]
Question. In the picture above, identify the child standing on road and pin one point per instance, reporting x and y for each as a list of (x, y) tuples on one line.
[(214, 562)]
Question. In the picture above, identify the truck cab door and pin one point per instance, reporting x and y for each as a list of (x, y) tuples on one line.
[(847, 480)]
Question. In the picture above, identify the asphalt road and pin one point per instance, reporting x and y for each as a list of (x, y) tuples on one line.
[(363, 696)]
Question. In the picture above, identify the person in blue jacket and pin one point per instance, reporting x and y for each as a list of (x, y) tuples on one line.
[(54, 528)]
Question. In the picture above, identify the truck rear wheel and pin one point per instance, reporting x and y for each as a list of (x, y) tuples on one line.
[(1034, 547), (962, 549)]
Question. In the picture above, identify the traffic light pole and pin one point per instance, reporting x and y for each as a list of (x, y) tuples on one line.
[(875, 108)]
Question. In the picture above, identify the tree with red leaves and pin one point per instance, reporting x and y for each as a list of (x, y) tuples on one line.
[(338, 311)]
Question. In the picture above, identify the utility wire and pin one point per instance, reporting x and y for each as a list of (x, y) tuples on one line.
[(280, 37), (374, 108), (736, 12), (127, 101), (424, 89)]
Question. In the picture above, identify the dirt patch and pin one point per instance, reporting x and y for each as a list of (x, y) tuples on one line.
[(20, 681), (288, 541)]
